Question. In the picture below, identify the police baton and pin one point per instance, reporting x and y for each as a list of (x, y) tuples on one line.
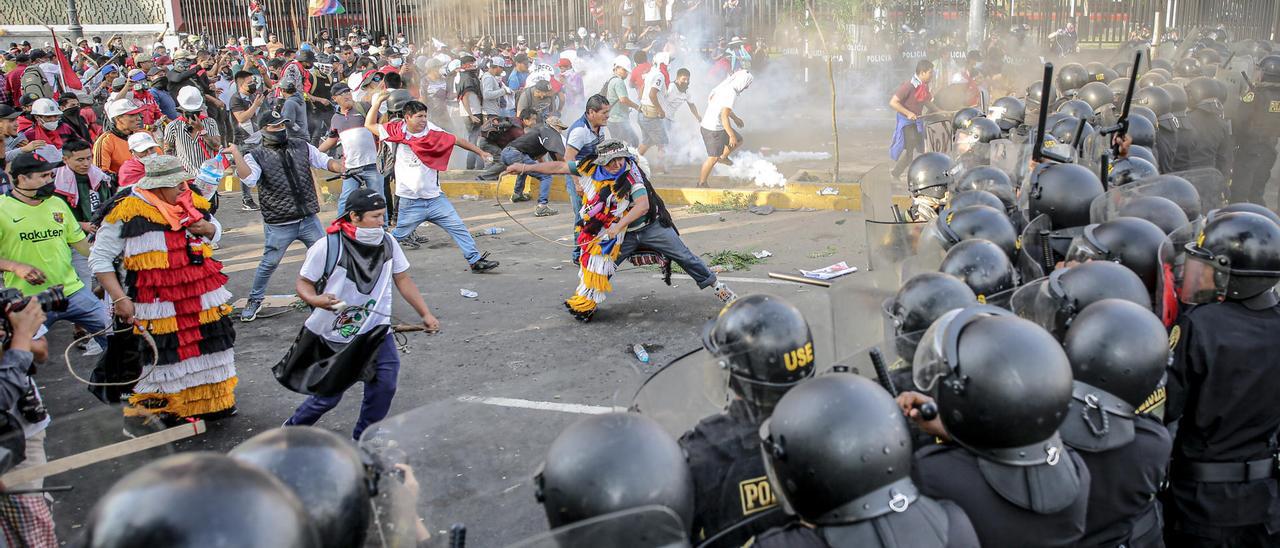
[(928, 410), (1121, 128)]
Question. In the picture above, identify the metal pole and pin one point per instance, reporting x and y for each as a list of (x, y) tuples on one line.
[(977, 23), (73, 17)]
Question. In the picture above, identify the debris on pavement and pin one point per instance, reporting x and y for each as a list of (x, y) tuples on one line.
[(834, 271), (468, 293), (762, 209), (762, 254), (829, 191)]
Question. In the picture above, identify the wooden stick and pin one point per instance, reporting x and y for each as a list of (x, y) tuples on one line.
[(108, 452), (799, 279)]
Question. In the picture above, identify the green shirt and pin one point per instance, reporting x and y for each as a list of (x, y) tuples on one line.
[(616, 90), (40, 236)]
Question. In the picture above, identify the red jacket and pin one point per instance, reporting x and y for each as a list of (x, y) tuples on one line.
[(151, 109), (14, 79)]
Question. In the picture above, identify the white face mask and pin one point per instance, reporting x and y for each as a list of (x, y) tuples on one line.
[(369, 236), (397, 62), (49, 125)]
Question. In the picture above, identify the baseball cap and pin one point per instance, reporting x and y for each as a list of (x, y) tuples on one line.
[(623, 62), (8, 113), (542, 85), (275, 118), (339, 88), (497, 61), (45, 107), (137, 75), (565, 64), (121, 107), (141, 141), (31, 162), (364, 199)]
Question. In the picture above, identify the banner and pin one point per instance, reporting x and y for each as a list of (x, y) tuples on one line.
[(69, 78), (325, 7)]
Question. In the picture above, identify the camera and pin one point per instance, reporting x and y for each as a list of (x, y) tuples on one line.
[(12, 300)]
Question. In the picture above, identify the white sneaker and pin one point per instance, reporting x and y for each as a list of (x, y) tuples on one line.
[(92, 348)]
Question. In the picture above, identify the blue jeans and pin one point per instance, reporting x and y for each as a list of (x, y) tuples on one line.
[(438, 210), (371, 177), (664, 240), (378, 393), (278, 237), (511, 156), (84, 310), (575, 199)]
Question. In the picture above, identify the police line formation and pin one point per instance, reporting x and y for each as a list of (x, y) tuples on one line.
[(1081, 316)]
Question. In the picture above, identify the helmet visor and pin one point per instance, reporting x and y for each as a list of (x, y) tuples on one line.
[(931, 363), (1202, 279), (1035, 301), (1086, 247), (769, 450)]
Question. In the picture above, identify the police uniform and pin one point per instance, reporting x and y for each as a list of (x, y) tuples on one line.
[(1211, 141), (906, 532), (1222, 388), (730, 485), (1187, 140), (1258, 125), (954, 473), (1168, 143), (1122, 507)]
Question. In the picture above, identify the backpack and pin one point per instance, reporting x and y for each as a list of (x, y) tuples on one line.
[(494, 127), (331, 248), (34, 84)]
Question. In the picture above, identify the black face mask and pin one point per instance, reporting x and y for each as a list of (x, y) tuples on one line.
[(39, 193), (274, 138), (72, 112)]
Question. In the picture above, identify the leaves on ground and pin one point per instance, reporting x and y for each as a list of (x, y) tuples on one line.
[(824, 252), (729, 201)]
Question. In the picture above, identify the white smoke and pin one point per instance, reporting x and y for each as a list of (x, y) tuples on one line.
[(749, 166)]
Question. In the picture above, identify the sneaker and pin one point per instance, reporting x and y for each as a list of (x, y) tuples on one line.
[(544, 210), (483, 264), (249, 205), (251, 309), (519, 198), (726, 295), (418, 237), (725, 160), (92, 348), (408, 243)]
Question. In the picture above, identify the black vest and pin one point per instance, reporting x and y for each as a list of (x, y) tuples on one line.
[(285, 189)]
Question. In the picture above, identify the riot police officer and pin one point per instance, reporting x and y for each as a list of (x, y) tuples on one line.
[(966, 198), (1257, 124), (919, 302), (1134, 242), (1003, 460), (611, 463), (981, 265), (765, 344), (1158, 100), (1118, 351), (928, 178), (1213, 141), (1054, 301), (195, 500), (838, 456), (1222, 386)]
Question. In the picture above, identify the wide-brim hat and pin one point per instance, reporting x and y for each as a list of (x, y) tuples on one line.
[(163, 171), (610, 150)]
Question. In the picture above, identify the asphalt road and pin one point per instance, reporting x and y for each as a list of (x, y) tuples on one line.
[(509, 369)]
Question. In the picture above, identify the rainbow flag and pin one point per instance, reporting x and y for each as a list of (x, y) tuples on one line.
[(325, 7)]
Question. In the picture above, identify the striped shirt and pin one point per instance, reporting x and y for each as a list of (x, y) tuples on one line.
[(191, 151)]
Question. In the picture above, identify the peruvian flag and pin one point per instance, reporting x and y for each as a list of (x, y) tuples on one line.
[(69, 78)]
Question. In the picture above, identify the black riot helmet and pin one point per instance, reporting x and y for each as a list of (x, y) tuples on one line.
[(1129, 170), (1002, 383), (930, 174), (925, 298), (1053, 302), (1063, 192), (324, 470), (1144, 112), (1159, 65), (981, 265), (1203, 89), (1097, 95), (1144, 152), (976, 222), (838, 451), (1133, 242), (1008, 112), (1119, 347), (1177, 97), (1151, 79), (1071, 76), (1065, 128), (397, 99), (1154, 98), (169, 503), (1142, 130), (1245, 207), (1237, 257), (765, 344), (966, 198), (1164, 71), (1159, 210), (1035, 94), (610, 463), (1178, 190), (1076, 108), (1099, 72), (983, 129), (1187, 67), (963, 117), (1119, 87), (989, 179), (1207, 57), (1269, 67), (1122, 67)]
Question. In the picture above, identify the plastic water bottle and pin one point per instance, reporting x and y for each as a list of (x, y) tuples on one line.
[(493, 230), (641, 353)]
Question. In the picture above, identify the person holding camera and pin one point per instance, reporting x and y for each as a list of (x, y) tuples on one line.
[(35, 233), (25, 519)]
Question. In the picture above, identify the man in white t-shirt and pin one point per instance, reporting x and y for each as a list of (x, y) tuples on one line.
[(678, 95), (359, 151), (422, 151), (717, 133), (355, 303)]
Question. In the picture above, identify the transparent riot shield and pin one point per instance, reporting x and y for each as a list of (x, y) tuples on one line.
[(683, 392), (648, 526), (1211, 184), (1035, 257), (938, 132), (877, 189), (1012, 158), (475, 464), (893, 251), (1114, 203)]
